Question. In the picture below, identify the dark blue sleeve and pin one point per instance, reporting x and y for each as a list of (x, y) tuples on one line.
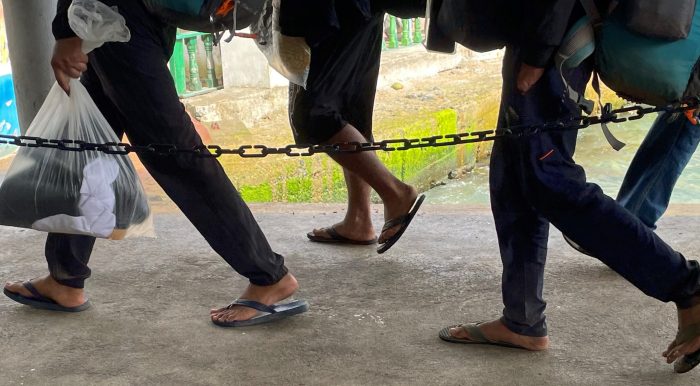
[(545, 23), (60, 27), (316, 20)]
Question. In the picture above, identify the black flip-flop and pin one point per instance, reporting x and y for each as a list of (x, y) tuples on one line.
[(690, 361), (336, 238), (42, 302), (687, 363), (266, 314), (403, 221)]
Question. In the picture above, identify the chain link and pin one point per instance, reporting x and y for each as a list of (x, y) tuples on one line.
[(608, 115)]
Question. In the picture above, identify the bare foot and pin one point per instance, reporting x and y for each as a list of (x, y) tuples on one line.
[(497, 331), (50, 288), (676, 350), (396, 208), (267, 295)]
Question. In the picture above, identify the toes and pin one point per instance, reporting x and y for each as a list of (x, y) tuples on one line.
[(229, 316), (675, 353), (322, 232), (459, 333), (387, 234)]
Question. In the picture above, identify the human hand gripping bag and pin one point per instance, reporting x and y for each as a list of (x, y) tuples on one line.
[(77, 192)]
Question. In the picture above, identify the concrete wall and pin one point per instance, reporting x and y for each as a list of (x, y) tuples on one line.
[(245, 66)]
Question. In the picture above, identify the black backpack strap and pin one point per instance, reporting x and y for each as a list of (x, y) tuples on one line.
[(592, 11), (609, 136)]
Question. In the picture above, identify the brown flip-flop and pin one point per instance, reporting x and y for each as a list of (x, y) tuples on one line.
[(336, 238), (477, 337)]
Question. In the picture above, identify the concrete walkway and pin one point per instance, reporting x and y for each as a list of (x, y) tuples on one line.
[(374, 318)]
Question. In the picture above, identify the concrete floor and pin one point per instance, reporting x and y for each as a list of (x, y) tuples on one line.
[(374, 318)]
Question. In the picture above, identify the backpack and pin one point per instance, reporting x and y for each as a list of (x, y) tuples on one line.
[(209, 16), (647, 51)]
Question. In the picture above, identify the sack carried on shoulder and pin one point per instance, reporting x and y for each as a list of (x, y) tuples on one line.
[(207, 15)]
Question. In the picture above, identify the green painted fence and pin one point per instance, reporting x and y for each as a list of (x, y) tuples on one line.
[(185, 69), (411, 32)]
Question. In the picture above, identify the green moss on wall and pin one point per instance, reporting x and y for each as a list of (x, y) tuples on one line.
[(257, 193), (320, 179)]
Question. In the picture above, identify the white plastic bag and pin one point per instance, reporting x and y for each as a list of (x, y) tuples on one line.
[(290, 56), (89, 192), (96, 24)]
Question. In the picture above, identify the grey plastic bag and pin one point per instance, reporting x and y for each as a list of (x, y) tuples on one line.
[(662, 19)]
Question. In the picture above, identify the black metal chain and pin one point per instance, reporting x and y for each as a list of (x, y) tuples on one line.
[(608, 115)]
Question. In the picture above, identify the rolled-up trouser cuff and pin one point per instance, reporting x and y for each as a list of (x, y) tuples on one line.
[(539, 330), (73, 283), (271, 279), (688, 302)]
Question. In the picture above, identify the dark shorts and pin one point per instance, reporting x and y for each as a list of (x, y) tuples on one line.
[(344, 70), (341, 85)]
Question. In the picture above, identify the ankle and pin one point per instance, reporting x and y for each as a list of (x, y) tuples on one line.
[(289, 282), (688, 316), (358, 219), (57, 287)]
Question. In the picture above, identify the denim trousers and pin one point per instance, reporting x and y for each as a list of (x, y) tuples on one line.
[(657, 165), (534, 182)]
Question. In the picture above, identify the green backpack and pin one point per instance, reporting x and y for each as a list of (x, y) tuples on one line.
[(647, 51)]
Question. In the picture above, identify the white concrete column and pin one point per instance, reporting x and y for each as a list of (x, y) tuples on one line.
[(29, 38)]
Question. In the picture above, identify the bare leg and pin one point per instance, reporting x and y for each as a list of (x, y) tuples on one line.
[(357, 224), (396, 196)]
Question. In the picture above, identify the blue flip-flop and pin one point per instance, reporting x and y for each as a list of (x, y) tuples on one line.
[(266, 314), (42, 302)]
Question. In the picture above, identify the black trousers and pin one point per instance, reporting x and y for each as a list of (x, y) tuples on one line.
[(133, 88)]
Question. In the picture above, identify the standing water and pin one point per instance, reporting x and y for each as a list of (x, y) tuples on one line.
[(604, 166)]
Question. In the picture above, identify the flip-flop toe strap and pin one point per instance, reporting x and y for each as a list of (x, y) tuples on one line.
[(474, 332), (35, 293), (252, 304), (394, 222), (335, 235)]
